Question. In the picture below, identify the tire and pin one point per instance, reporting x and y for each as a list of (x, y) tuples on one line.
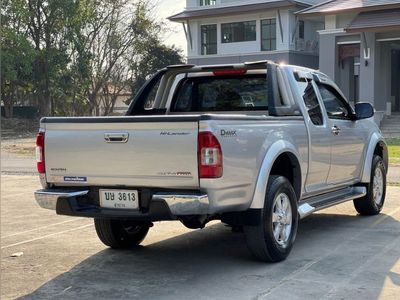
[(372, 202), (261, 241), (120, 234)]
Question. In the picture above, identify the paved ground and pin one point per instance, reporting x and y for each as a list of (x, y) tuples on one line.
[(394, 174), (18, 156), (337, 255), (16, 164)]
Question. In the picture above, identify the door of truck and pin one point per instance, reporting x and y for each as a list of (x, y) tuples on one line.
[(319, 138), (140, 151), (347, 136)]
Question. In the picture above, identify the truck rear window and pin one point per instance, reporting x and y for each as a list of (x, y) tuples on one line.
[(221, 93)]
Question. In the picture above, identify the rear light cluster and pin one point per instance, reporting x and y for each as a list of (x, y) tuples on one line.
[(40, 153), (209, 156)]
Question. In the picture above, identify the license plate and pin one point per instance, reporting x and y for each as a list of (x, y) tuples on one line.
[(121, 199)]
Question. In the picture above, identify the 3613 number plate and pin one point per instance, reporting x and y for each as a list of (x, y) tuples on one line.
[(121, 199)]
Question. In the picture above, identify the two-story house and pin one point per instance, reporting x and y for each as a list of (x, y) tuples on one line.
[(227, 31)]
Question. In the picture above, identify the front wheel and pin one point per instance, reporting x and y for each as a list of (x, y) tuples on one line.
[(272, 239), (372, 202), (120, 234)]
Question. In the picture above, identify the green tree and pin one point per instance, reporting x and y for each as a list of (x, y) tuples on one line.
[(17, 55), (73, 82), (74, 57), (114, 37), (153, 56), (49, 28)]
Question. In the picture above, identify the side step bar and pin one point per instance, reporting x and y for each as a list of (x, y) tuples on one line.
[(310, 205)]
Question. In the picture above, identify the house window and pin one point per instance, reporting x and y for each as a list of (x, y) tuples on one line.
[(238, 32), (207, 2), (208, 39), (301, 29), (268, 35)]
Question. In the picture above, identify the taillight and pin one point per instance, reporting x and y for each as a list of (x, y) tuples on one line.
[(209, 156), (40, 152)]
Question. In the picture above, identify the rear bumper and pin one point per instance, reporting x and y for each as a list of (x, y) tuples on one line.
[(153, 206), (48, 198)]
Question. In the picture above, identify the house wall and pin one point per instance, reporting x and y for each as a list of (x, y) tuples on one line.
[(287, 57), (289, 48), (196, 3), (344, 72), (327, 54), (219, 3), (383, 72), (329, 64), (367, 68), (286, 41), (342, 20), (229, 1), (234, 48)]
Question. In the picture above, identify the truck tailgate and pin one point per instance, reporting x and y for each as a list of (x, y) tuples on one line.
[(122, 151)]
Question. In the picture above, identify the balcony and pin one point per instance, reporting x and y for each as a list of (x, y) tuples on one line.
[(308, 46)]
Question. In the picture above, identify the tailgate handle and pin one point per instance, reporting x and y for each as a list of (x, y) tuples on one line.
[(118, 137)]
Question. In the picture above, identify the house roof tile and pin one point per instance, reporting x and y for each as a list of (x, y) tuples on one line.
[(334, 6), (375, 21), (236, 9)]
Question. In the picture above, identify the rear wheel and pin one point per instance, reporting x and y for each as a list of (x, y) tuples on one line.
[(120, 234), (273, 238), (372, 202)]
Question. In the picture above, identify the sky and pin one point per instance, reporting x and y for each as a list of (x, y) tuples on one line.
[(164, 9)]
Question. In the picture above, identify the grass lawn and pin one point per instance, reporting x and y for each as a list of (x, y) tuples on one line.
[(394, 150)]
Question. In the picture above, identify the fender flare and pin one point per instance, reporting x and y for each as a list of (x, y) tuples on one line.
[(276, 149), (373, 142)]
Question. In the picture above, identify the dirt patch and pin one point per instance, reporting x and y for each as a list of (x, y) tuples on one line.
[(18, 128), (18, 137), (20, 147)]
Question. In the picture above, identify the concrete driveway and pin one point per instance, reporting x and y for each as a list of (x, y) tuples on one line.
[(337, 255)]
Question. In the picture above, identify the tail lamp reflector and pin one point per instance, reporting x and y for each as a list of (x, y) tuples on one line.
[(40, 152), (210, 156)]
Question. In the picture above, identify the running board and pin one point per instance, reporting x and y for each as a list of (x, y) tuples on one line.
[(310, 205)]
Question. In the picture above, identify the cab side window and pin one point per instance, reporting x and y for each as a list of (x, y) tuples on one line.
[(311, 101), (336, 107)]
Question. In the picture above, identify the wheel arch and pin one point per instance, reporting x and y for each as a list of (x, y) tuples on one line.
[(281, 159), (376, 146)]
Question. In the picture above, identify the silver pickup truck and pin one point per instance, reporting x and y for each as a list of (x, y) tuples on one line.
[(256, 145)]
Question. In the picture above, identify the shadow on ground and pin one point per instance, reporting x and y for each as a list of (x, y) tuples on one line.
[(337, 256)]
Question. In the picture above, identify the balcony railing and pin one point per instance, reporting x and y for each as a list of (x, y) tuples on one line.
[(309, 46)]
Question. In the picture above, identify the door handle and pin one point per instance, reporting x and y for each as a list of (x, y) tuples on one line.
[(116, 137), (335, 130)]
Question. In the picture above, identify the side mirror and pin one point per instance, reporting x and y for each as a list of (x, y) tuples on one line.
[(364, 110)]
